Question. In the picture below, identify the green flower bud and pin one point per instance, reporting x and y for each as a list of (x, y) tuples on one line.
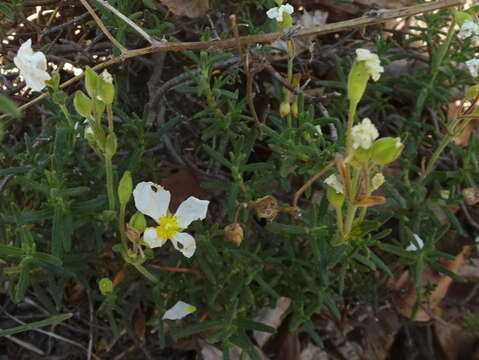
[(386, 150), (90, 134), (106, 89), (287, 21), (362, 155), (83, 104), (294, 109), (335, 198), (111, 145), (284, 108), (461, 17), (91, 82), (98, 106), (471, 93), (357, 81), (106, 286), (138, 222), (125, 187)]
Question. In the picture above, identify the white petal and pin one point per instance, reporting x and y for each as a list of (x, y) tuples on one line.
[(150, 236), (287, 8), (272, 13), (179, 311), (32, 66), (25, 49), (190, 210), (151, 199), (412, 246), (185, 243)]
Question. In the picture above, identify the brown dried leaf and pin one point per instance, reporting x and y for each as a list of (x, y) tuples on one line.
[(372, 200), (471, 195), (189, 8), (120, 275), (463, 138), (405, 295), (182, 184)]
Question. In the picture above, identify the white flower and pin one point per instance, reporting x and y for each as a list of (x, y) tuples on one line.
[(277, 12), (364, 134), (473, 66), (152, 200), (468, 29), (373, 65), (377, 181), (32, 66), (107, 76), (179, 311), (335, 183), (412, 246)]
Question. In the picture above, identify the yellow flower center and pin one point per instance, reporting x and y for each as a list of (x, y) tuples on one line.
[(167, 226)]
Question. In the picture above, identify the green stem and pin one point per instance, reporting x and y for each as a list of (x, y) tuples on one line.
[(349, 136), (122, 227), (350, 218), (109, 182), (435, 156), (290, 60), (339, 219), (67, 115), (362, 213), (110, 118), (146, 273)]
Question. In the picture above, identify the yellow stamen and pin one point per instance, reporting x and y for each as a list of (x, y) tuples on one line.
[(167, 226)]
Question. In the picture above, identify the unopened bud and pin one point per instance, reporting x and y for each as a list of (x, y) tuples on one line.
[(106, 286), (386, 150), (357, 81), (234, 233), (83, 104), (284, 109), (138, 222), (335, 198)]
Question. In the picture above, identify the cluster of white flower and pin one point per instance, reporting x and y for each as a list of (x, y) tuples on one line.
[(364, 134), (335, 183), (373, 65)]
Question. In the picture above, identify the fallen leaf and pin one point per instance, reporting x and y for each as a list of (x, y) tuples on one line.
[(120, 275), (189, 8), (405, 296), (463, 138)]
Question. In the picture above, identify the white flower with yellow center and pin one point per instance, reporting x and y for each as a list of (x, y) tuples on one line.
[(153, 200), (413, 247), (364, 134), (473, 66), (32, 66), (469, 28), (277, 12), (179, 311), (373, 65), (335, 183)]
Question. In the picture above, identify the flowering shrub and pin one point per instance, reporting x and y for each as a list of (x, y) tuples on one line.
[(290, 179)]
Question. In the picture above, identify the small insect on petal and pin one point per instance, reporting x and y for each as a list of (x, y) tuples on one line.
[(179, 311)]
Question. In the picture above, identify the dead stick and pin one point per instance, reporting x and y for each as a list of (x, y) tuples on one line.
[(382, 17)]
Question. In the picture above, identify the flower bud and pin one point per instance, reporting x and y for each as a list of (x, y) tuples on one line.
[(125, 187), (106, 89), (83, 104), (89, 134), (284, 108), (386, 150), (294, 109), (111, 145), (91, 82), (335, 198), (357, 81), (471, 93), (460, 17), (234, 233), (138, 222), (287, 21), (106, 286)]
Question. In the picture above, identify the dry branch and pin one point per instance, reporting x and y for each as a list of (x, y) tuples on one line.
[(377, 17)]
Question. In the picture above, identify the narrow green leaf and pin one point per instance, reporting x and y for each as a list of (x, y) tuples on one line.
[(37, 324)]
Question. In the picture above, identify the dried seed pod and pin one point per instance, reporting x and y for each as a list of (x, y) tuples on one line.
[(471, 195), (267, 207), (132, 234), (234, 233)]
